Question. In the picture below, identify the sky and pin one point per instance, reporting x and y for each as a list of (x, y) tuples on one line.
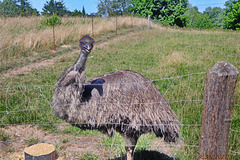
[(91, 5)]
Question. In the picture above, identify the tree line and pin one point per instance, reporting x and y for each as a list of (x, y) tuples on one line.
[(176, 12), (12, 8), (167, 12)]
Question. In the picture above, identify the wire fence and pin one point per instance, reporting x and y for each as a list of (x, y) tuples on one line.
[(27, 117)]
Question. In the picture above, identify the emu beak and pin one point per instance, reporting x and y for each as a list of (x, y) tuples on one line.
[(87, 50)]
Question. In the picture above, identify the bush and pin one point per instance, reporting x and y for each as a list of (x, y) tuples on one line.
[(48, 21)]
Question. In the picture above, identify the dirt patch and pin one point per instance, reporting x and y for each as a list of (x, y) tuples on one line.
[(68, 146), (30, 67)]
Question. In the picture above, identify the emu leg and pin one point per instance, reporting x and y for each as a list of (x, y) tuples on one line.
[(130, 143), (130, 151)]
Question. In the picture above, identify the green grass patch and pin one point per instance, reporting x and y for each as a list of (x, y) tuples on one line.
[(4, 136), (116, 145), (76, 131), (32, 141), (9, 150), (88, 156)]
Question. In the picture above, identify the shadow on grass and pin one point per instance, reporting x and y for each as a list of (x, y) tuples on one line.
[(146, 155)]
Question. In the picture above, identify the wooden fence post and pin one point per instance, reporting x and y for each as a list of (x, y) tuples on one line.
[(132, 20), (116, 25), (92, 28), (53, 35), (216, 114), (149, 26)]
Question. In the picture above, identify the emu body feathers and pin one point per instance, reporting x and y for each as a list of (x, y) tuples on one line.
[(122, 101)]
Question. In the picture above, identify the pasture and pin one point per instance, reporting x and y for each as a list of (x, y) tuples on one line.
[(176, 60)]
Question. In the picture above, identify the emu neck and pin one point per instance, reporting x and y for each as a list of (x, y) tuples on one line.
[(80, 63)]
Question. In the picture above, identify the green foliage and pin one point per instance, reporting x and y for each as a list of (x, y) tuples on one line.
[(232, 18), (26, 9), (83, 11), (9, 8), (199, 20), (215, 15), (52, 7), (113, 7), (76, 13), (48, 21), (167, 12), (12, 8), (174, 15)]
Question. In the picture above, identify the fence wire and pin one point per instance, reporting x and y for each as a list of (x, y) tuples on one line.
[(28, 107), (26, 117)]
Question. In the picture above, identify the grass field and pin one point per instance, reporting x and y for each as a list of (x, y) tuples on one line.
[(175, 59), (29, 40)]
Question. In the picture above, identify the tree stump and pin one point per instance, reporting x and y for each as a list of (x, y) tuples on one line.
[(40, 151)]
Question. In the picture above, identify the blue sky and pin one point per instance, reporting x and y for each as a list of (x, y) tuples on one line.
[(91, 5)]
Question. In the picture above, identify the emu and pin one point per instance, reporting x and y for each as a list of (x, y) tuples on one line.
[(122, 101)]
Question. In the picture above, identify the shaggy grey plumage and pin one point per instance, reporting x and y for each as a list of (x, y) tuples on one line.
[(122, 101)]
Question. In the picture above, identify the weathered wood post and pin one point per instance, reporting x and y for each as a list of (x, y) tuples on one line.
[(116, 26), (53, 35), (92, 28), (132, 20), (149, 25), (216, 114)]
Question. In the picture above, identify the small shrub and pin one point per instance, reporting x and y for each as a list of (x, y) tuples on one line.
[(3, 136), (48, 21)]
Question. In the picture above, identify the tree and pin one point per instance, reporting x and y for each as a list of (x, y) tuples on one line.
[(26, 9), (198, 20), (76, 13), (83, 11), (215, 15), (207, 10), (17, 8), (113, 7), (9, 8), (232, 18), (55, 7), (166, 11), (229, 4)]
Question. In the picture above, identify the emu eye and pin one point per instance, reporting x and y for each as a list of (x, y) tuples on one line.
[(82, 43)]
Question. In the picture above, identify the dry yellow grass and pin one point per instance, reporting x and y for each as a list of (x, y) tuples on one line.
[(24, 39), (25, 33)]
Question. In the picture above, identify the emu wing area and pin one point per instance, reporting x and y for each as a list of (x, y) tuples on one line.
[(131, 104)]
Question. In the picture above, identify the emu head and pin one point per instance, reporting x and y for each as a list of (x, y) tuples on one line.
[(86, 44)]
